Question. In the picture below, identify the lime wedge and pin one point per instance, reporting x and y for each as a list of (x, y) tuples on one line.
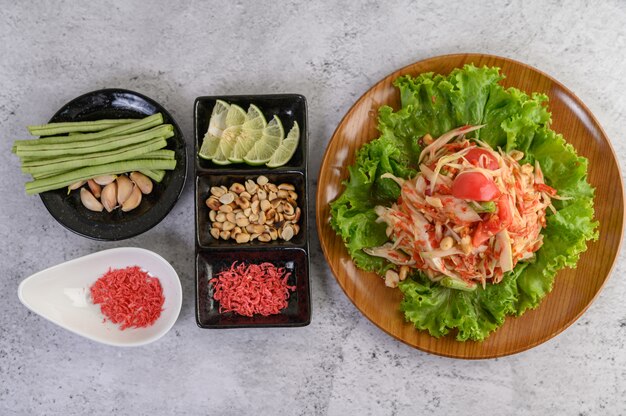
[(251, 131), (219, 158), (255, 120), (235, 116), (217, 122), (209, 146), (287, 148), (227, 143), (265, 147), (242, 146)]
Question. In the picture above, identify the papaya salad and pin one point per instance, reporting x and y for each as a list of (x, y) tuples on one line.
[(468, 217), (467, 202)]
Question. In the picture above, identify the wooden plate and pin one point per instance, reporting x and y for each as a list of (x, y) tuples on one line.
[(574, 289)]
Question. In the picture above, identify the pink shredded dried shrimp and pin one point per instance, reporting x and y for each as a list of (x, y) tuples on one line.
[(249, 289), (130, 297)]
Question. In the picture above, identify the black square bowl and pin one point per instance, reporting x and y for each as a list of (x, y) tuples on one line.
[(288, 107), (203, 223), (209, 263)]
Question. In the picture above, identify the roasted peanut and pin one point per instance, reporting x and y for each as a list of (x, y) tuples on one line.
[(254, 210)]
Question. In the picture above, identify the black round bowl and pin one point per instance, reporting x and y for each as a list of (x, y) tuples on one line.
[(117, 225)]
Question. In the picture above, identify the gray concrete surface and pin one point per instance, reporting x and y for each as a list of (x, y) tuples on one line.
[(331, 52)]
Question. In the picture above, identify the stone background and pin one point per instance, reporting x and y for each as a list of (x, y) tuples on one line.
[(331, 52)]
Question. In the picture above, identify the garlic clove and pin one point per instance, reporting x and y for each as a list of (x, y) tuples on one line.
[(96, 189), (104, 179), (133, 200), (89, 201), (124, 188), (108, 197), (143, 182), (74, 186)]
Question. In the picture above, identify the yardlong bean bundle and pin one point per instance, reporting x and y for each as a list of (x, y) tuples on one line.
[(124, 129), (95, 148), (64, 179), (52, 129), (102, 158)]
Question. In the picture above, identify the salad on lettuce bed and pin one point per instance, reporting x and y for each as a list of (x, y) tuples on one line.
[(476, 226)]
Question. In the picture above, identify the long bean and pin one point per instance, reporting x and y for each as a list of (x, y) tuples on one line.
[(65, 179), (101, 158), (162, 154), (52, 129), (29, 162), (156, 175), (83, 148), (124, 129)]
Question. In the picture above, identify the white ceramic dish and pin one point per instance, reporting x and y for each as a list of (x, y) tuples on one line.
[(61, 295)]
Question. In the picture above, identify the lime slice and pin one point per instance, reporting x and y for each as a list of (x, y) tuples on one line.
[(251, 131), (217, 122), (234, 119), (242, 146), (287, 148), (227, 143), (210, 144), (235, 116), (219, 158), (255, 120), (265, 147)]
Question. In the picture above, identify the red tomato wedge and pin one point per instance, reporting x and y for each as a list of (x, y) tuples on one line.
[(485, 230), (474, 186), (497, 221), (489, 160), (504, 211)]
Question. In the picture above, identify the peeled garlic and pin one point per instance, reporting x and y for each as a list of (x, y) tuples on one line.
[(75, 185), (124, 188), (133, 200), (109, 196), (104, 179), (96, 189), (142, 181), (89, 201)]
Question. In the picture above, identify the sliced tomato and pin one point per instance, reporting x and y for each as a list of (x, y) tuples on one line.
[(486, 229), (480, 235), (489, 161), (504, 211), (474, 186), (495, 222)]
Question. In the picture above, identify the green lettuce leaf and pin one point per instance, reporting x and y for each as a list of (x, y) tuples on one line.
[(352, 214), (567, 231), (513, 120), (437, 309)]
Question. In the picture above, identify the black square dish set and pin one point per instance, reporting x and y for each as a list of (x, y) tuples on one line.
[(216, 255)]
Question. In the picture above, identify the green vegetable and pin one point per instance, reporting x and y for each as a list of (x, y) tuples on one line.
[(161, 154), (69, 163), (458, 284), (68, 178), (76, 126), (437, 309), (154, 174), (488, 206), (124, 129), (435, 104), (353, 215), (100, 145)]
